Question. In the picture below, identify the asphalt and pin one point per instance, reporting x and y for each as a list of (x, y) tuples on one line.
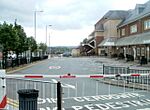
[(100, 60), (22, 67), (82, 93)]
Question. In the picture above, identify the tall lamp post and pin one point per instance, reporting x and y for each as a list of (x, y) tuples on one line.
[(49, 45), (46, 33), (35, 23)]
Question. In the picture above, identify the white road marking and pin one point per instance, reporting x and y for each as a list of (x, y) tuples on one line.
[(70, 86), (65, 85), (55, 67), (54, 80), (144, 109)]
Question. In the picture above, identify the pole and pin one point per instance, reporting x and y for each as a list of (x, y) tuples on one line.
[(35, 25), (49, 46), (59, 96), (46, 35)]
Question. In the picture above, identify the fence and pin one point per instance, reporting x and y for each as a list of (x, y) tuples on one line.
[(47, 89), (23, 60), (130, 74), (77, 89)]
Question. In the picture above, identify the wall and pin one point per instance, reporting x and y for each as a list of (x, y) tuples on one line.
[(110, 28)]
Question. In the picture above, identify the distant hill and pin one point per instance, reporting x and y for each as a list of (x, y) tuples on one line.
[(60, 49)]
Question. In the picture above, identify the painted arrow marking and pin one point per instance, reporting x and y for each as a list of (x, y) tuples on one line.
[(64, 85)]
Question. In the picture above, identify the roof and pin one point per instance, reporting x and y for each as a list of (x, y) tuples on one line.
[(115, 14), (108, 42), (99, 28), (138, 39), (92, 34), (111, 15), (140, 11)]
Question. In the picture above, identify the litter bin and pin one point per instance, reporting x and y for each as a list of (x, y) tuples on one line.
[(28, 99)]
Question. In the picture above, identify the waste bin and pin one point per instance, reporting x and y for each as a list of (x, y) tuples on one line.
[(28, 99)]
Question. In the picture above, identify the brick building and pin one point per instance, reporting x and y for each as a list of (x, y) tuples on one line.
[(122, 33), (134, 33)]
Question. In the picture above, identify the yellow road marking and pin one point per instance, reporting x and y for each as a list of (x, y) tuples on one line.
[(12, 102)]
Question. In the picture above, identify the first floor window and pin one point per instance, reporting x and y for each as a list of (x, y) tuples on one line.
[(123, 32), (147, 24), (133, 29)]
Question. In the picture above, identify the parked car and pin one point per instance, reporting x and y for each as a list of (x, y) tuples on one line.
[(66, 54)]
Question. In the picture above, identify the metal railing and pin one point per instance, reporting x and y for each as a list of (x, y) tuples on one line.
[(110, 70), (47, 89)]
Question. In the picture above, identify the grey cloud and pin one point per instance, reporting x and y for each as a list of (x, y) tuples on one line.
[(75, 15)]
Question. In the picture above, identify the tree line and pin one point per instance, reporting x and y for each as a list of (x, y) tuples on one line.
[(13, 38)]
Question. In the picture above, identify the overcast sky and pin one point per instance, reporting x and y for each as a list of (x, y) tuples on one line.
[(71, 20)]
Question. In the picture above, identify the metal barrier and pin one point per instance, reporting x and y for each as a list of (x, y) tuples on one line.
[(76, 88), (122, 70), (115, 70), (3, 99), (46, 89), (129, 74)]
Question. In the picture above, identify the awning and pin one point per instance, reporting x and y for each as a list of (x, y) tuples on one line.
[(143, 38), (108, 42)]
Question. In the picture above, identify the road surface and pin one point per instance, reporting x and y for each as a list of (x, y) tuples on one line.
[(78, 93)]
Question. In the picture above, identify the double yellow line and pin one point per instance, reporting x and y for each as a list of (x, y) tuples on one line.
[(13, 103)]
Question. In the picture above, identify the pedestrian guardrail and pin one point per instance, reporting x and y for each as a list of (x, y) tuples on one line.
[(128, 74), (74, 89)]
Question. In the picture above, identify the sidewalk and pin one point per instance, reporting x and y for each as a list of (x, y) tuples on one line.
[(123, 63)]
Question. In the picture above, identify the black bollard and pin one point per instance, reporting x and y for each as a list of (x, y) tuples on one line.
[(59, 96), (28, 99)]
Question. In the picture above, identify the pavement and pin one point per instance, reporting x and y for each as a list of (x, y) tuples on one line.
[(116, 62)]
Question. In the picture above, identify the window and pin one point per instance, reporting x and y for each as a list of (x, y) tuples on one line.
[(123, 32), (147, 24), (133, 29), (138, 51)]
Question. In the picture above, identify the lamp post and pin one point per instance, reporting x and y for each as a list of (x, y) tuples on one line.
[(49, 45), (35, 23), (46, 33)]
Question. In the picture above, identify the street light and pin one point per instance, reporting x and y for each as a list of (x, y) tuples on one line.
[(35, 23), (46, 33), (49, 45)]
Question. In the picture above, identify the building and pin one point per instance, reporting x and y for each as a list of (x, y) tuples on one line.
[(123, 34), (75, 52), (109, 23), (89, 46), (134, 33)]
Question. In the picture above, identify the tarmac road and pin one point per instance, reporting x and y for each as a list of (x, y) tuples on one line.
[(79, 93)]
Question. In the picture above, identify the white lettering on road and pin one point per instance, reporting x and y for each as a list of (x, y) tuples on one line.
[(90, 107), (108, 106), (77, 107), (49, 108), (102, 106), (107, 97), (47, 100)]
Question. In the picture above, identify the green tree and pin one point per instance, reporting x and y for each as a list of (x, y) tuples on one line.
[(8, 39), (22, 44), (43, 47), (31, 43)]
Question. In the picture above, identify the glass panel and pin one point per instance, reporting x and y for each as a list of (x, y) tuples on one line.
[(133, 28), (147, 24), (123, 32)]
